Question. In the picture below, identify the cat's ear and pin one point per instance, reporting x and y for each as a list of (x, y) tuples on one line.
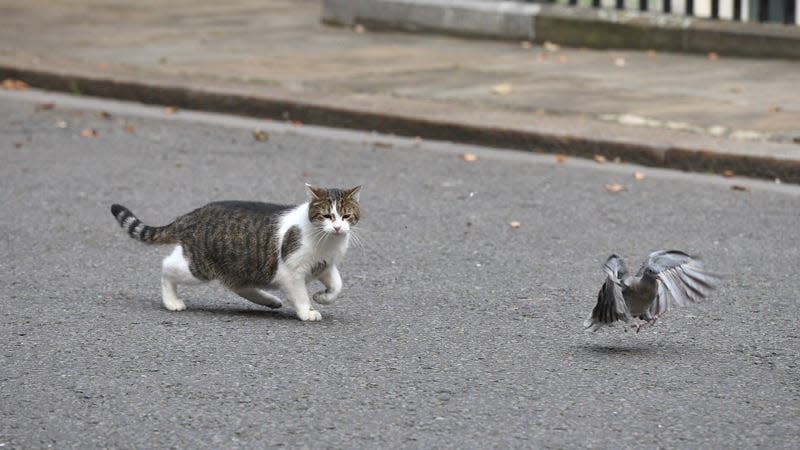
[(353, 193), (316, 192)]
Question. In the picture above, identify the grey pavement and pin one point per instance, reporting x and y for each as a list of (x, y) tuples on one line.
[(454, 330), (666, 109)]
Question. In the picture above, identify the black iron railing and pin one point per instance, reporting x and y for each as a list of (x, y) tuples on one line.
[(776, 11)]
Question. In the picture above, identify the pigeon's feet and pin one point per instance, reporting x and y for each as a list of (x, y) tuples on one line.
[(647, 324)]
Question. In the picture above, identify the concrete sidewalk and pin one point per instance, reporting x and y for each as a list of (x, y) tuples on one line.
[(274, 59)]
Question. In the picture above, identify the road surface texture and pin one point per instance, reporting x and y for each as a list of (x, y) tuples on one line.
[(454, 329)]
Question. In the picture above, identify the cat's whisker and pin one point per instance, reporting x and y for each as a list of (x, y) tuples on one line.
[(318, 236), (356, 238)]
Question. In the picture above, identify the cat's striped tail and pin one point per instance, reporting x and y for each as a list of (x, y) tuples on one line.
[(139, 231)]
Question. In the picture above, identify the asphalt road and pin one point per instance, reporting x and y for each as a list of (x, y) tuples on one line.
[(454, 329)]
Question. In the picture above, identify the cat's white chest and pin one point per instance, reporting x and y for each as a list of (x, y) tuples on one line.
[(314, 251)]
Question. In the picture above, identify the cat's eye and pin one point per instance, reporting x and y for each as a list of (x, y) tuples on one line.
[(347, 216), (327, 216)]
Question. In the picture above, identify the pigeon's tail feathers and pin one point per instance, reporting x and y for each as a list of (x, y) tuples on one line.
[(610, 306), (615, 268), (591, 325)]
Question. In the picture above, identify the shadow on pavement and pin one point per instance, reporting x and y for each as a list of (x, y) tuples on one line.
[(626, 350)]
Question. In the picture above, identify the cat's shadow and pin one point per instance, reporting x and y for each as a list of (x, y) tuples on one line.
[(228, 310), (225, 310), (238, 311), (254, 313)]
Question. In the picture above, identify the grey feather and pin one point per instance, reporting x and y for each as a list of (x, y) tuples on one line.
[(666, 279), (611, 304)]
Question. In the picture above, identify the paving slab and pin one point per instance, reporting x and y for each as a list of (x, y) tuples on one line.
[(275, 59)]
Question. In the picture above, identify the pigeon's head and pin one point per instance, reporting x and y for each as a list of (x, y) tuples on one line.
[(650, 273)]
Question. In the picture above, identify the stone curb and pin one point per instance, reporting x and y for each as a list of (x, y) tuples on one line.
[(507, 19), (577, 27), (308, 112)]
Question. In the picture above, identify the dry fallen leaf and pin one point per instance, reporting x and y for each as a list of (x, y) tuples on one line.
[(360, 29), (600, 158), (563, 59), (18, 144), (619, 61), (515, 224), (541, 57), (502, 89), (614, 187), (651, 52), (713, 56), (60, 124), (728, 173), (561, 158), (130, 128), (12, 84), (469, 157), (89, 132), (260, 135), (526, 44), (104, 115), (171, 109), (738, 187), (44, 106), (736, 89), (775, 109), (551, 47), (297, 122), (639, 175), (379, 144)]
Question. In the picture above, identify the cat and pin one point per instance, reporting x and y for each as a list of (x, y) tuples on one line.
[(252, 246)]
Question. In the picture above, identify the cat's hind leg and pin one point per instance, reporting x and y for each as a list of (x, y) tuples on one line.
[(175, 271), (333, 286), (260, 297)]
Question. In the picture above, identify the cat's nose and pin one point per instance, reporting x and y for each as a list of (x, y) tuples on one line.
[(337, 228)]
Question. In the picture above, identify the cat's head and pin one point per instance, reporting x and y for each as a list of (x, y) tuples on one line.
[(334, 210)]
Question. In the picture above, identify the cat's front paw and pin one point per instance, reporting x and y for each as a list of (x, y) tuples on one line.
[(174, 304), (309, 316), (324, 297)]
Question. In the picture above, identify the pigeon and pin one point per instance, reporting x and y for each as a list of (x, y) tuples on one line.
[(665, 280)]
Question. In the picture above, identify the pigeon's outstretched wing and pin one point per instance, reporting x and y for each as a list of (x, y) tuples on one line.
[(610, 301), (681, 280)]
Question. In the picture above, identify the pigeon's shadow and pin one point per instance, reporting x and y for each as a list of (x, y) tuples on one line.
[(617, 349), (627, 350)]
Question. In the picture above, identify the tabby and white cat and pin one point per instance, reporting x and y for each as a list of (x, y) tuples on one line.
[(251, 246)]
